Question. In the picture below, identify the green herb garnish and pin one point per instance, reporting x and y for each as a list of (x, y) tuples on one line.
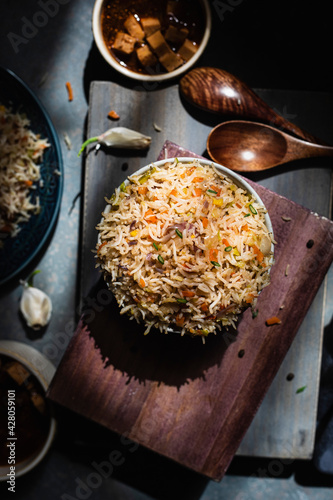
[(228, 249), (30, 278), (216, 264), (301, 389), (211, 191), (255, 313), (179, 233), (123, 187), (155, 246), (146, 176), (182, 301), (160, 259), (252, 209), (247, 215)]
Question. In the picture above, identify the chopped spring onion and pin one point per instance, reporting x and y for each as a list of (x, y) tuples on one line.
[(252, 209), (123, 187), (146, 176), (211, 191), (160, 259), (247, 215), (155, 246), (228, 249), (182, 301), (216, 264), (179, 233)]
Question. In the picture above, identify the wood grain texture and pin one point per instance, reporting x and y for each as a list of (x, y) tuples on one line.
[(246, 146), (216, 90), (190, 404)]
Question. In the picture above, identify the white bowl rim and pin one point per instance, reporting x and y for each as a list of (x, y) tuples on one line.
[(97, 32), (28, 355), (241, 181)]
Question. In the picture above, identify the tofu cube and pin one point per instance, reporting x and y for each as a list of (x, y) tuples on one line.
[(17, 372), (38, 401), (158, 44), (176, 35), (145, 56), (187, 50), (134, 28), (170, 60), (124, 43), (150, 25)]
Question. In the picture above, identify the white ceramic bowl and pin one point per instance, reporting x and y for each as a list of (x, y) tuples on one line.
[(43, 370), (98, 36), (236, 179)]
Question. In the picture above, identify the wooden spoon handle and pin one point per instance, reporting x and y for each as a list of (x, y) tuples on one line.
[(216, 90)]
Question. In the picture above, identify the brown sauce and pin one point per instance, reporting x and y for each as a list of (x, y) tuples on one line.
[(32, 415), (187, 14)]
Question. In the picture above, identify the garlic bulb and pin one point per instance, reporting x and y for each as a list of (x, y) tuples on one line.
[(35, 306), (120, 137)]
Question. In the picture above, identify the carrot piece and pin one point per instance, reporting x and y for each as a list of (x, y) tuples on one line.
[(142, 189), (198, 191), (102, 245), (142, 283), (274, 320), (69, 91), (174, 192), (225, 242), (197, 179), (245, 227), (190, 170), (259, 254), (113, 115), (204, 221), (204, 307), (250, 298), (216, 189), (28, 183), (188, 293), (150, 217), (213, 254), (180, 320)]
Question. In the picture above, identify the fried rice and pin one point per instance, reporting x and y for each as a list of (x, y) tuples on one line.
[(21, 151), (183, 248)]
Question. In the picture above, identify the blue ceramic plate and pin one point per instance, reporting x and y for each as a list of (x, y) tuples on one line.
[(19, 251)]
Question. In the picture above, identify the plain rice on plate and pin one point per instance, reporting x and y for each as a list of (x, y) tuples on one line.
[(184, 248), (21, 151)]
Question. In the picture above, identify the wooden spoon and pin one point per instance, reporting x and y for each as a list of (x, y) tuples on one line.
[(216, 90), (250, 146)]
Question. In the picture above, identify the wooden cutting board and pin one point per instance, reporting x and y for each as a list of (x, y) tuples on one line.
[(189, 402)]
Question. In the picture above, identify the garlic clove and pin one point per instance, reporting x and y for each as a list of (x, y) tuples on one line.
[(122, 137), (36, 307), (119, 137)]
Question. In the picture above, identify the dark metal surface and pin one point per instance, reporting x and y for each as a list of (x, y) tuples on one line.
[(268, 46)]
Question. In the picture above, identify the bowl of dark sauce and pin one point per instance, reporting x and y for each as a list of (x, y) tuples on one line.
[(27, 426), (151, 41)]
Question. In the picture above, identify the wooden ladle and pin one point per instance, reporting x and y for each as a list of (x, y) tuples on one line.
[(249, 146), (216, 90)]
